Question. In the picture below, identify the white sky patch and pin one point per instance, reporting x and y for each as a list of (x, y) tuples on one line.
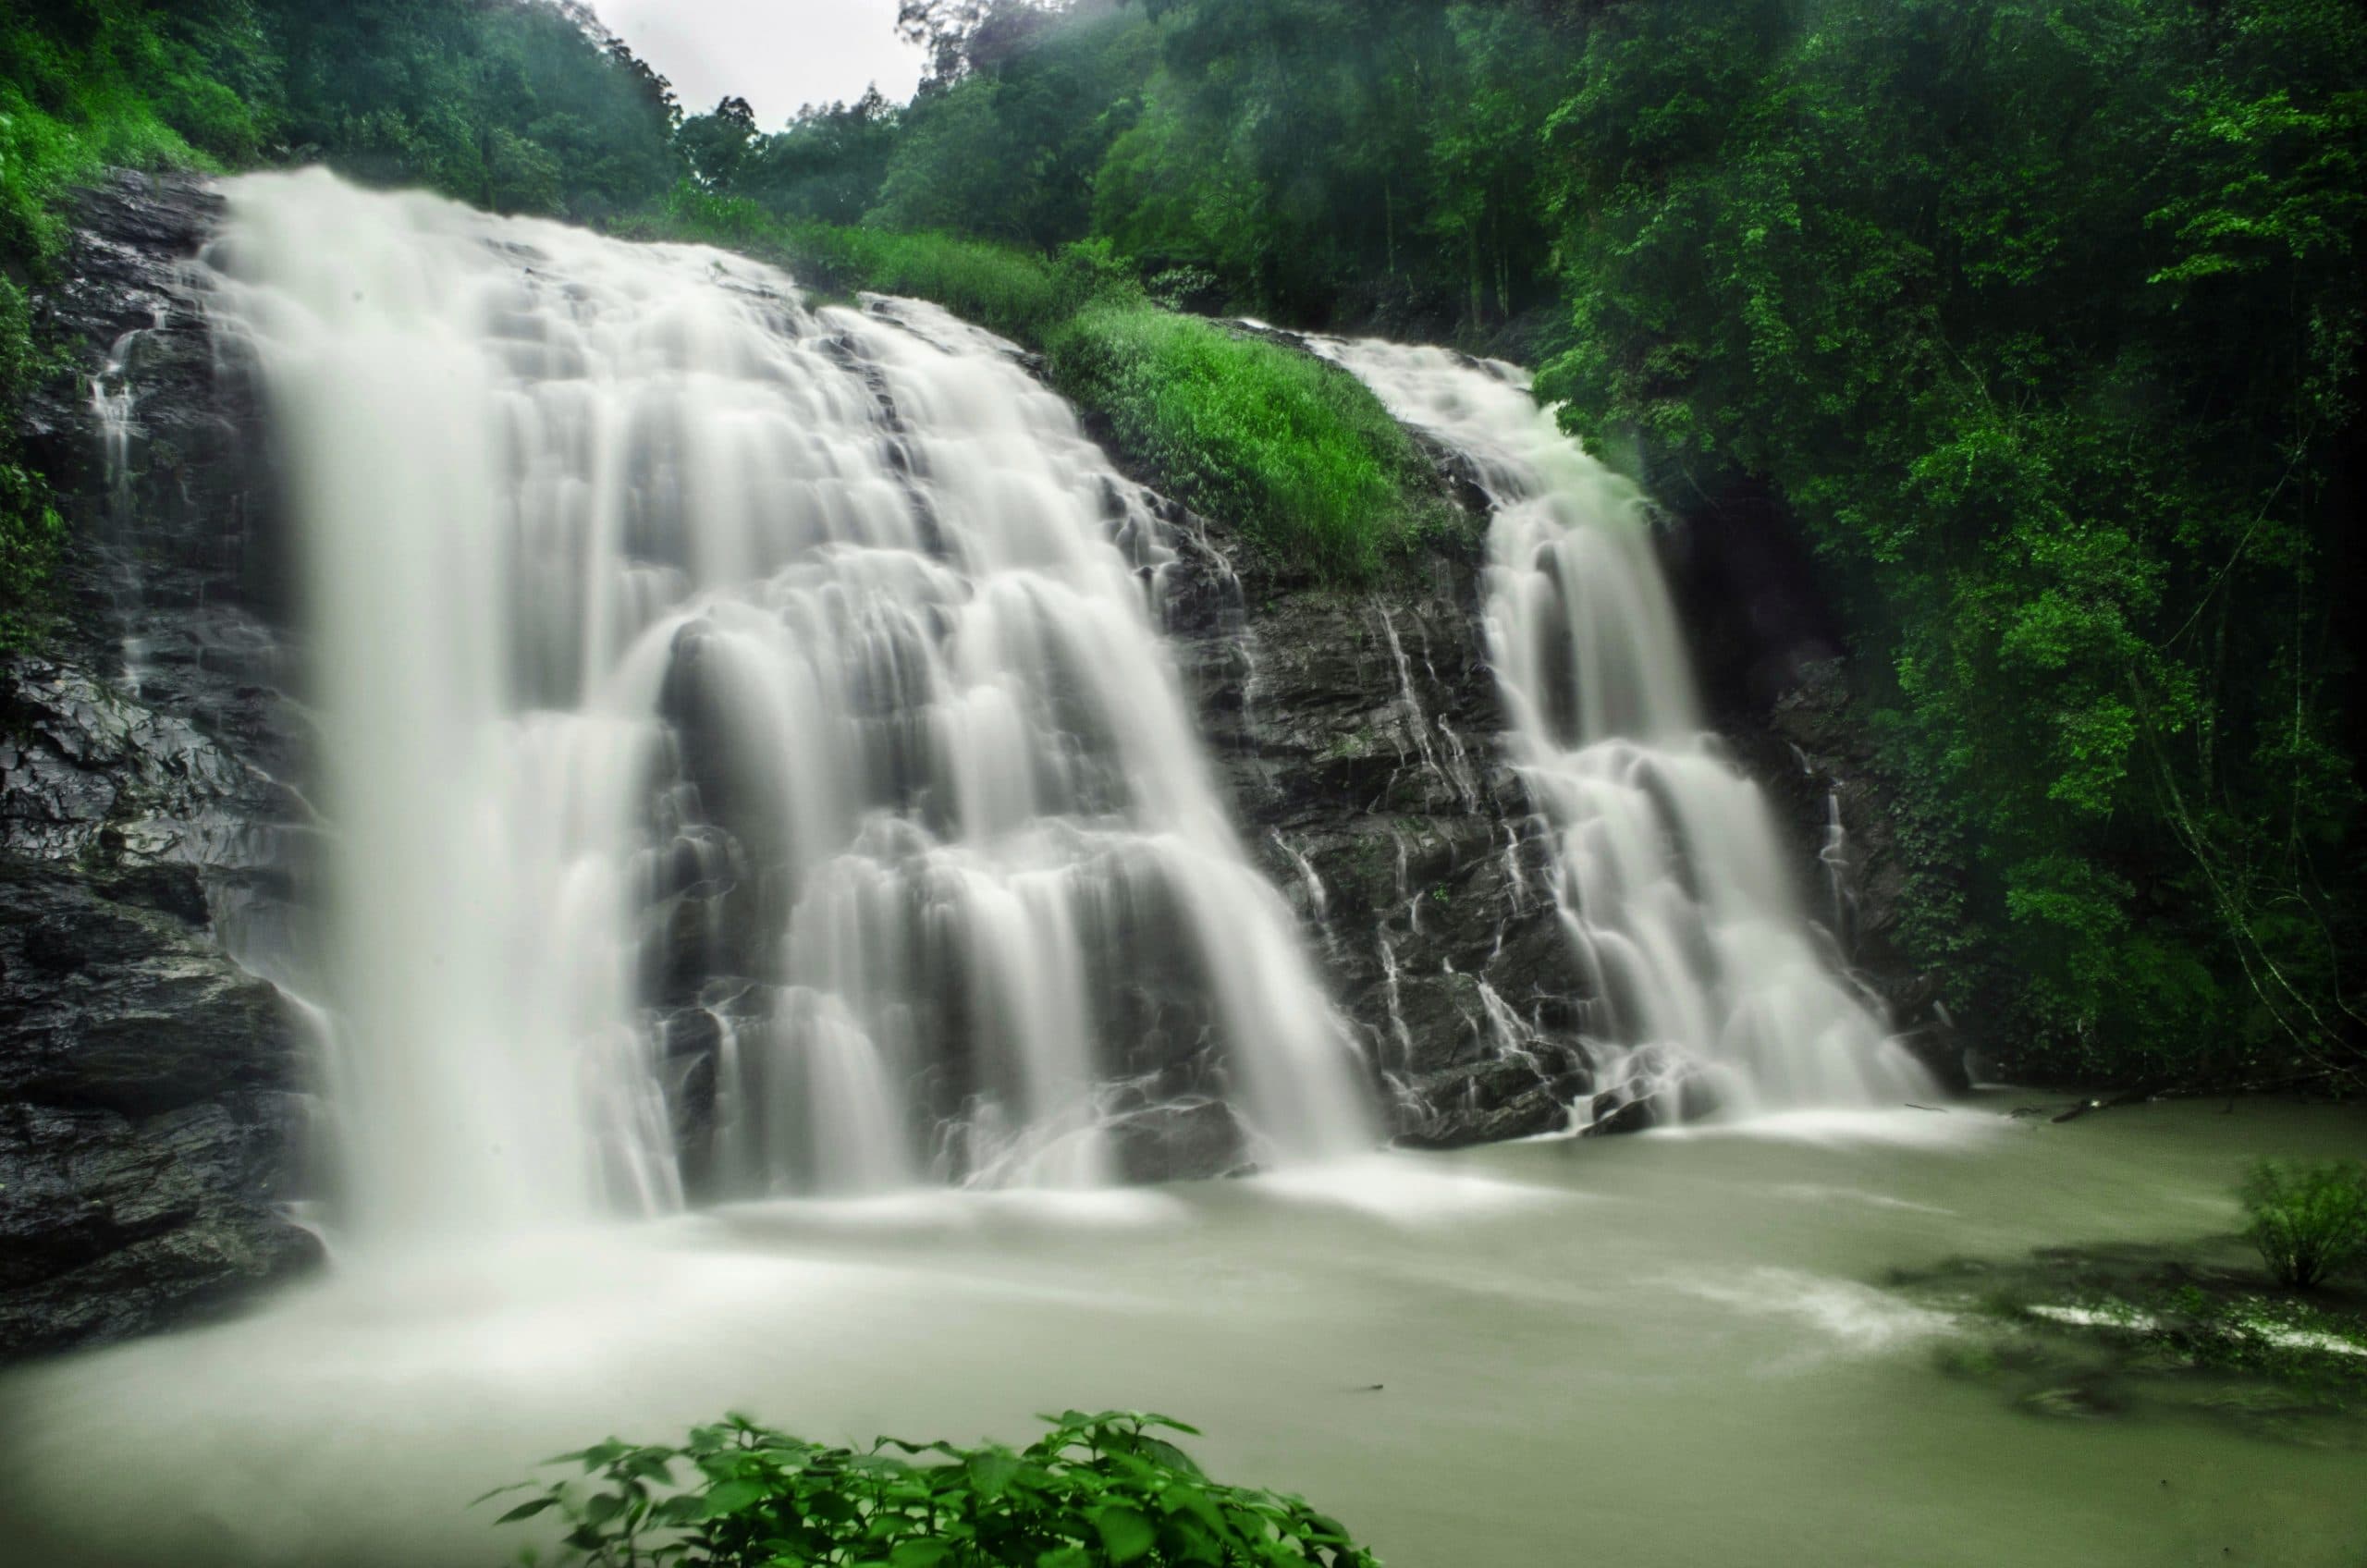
[(775, 53)]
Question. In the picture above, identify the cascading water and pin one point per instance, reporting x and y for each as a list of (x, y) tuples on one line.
[(1672, 884), (708, 684)]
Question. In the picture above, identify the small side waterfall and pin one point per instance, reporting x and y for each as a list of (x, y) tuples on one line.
[(754, 700), (1686, 918)]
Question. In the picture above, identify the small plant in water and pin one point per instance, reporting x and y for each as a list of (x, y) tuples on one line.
[(2309, 1222), (1095, 1491)]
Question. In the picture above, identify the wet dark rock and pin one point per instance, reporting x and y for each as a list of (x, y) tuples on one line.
[(1650, 1087), (147, 1109), (1359, 734), (1771, 651), (1609, 1114), (1823, 773), (2194, 1329), (87, 769), (1538, 1107), (1179, 1140), (150, 1105)]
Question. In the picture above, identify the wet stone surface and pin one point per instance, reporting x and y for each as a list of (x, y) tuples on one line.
[(1358, 733), (150, 1089), (2196, 1332)]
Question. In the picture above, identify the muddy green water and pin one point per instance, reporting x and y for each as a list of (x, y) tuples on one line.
[(1661, 1350)]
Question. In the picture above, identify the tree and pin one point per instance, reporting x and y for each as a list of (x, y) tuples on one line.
[(719, 145)]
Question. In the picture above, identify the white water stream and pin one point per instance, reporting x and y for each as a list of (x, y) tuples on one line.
[(1674, 880), (672, 635)]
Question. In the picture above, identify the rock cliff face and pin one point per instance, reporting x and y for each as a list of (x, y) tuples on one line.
[(150, 1104), (1362, 734), (1358, 732), (152, 1084), (1770, 654)]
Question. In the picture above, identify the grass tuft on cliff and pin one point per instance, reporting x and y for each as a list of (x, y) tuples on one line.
[(1296, 453)]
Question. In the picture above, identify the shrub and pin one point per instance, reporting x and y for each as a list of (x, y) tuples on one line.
[(2309, 1222), (1296, 453), (1094, 1490)]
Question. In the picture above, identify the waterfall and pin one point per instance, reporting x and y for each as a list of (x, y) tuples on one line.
[(724, 700), (1674, 885)]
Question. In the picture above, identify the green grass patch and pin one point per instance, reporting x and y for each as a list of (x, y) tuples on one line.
[(1295, 453), (1022, 296)]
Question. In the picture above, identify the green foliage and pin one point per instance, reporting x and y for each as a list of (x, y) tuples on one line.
[(521, 106), (1095, 1491), (2044, 324), (2309, 1222), (29, 531), (83, 86), (828, 164), (2283, 1340), (1283, 446), (1294, 452), (1005, 290), (1011, 150)]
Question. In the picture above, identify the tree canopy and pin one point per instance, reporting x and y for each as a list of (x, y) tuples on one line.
[(2040, 321)]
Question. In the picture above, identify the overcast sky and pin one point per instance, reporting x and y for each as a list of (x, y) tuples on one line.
[(775, 53)]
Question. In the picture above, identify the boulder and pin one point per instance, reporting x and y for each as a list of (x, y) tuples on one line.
[(1179, 1140), (148, 1112)]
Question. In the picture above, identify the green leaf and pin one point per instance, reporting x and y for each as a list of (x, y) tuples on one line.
[(497, 1491), (731, 1497), (1125, 1534), (992, 1472), (920, 1554), (1192, 1542), (1065, 1556), (1160, 1451), (526, 1510)]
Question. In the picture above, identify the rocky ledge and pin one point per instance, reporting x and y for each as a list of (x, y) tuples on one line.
[(1362, 736), (1358, 733), (150, 1086)]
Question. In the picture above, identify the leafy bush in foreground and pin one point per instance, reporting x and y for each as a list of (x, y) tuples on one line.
[(2309, 1222), (1095, 1491)]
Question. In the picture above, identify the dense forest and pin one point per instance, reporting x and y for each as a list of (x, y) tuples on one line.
[(2040, 324)]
